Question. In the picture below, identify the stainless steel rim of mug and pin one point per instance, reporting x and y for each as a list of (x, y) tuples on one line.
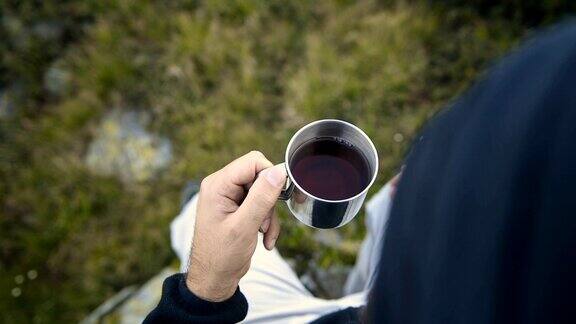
[(291, 177)]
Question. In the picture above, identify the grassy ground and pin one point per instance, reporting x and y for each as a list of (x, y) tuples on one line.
[(220, 78)]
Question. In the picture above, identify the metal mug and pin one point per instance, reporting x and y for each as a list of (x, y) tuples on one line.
[(314, 211)]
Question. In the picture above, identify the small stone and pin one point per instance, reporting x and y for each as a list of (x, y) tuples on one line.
[(398, 137), (16, 292), (19, 279), (331, 281), (57, 80), (32, 274)]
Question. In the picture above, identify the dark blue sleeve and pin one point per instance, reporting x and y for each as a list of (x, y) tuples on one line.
[(179, 305)]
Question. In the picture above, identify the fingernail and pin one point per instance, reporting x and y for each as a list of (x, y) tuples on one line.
[(265, 225), (272, 244), (276, 176)]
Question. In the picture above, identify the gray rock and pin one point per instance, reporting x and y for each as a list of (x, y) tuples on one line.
[(330, 282), (124, 148), (57, 80)]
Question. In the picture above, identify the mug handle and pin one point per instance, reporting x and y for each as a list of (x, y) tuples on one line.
[(288, 189)]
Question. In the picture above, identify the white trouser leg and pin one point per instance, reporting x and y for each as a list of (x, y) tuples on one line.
[(364, 271), (182, 232), (273, 290)]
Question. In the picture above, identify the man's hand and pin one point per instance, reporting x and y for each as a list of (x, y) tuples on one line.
[(228, 219)]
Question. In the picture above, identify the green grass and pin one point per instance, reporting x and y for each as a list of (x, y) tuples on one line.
[(219, 78)]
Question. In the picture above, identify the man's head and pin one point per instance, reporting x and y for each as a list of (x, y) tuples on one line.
[(483, 228)]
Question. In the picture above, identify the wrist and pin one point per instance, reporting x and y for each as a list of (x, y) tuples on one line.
[(209, 289)]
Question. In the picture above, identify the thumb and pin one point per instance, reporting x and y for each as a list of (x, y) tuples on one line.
[(262, 196)]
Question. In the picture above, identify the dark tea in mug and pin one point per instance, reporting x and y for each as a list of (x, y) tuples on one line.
[(330, 168)]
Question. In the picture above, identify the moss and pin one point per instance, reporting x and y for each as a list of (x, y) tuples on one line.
[(220, 78)]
